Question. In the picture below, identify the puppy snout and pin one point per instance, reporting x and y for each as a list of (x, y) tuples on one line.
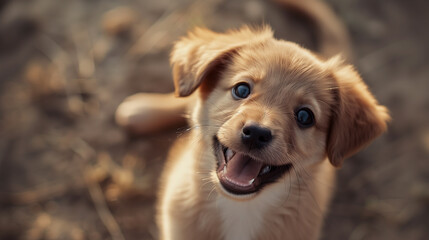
[(255, 137)]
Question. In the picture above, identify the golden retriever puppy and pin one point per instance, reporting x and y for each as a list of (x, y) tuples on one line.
[(269, 123)]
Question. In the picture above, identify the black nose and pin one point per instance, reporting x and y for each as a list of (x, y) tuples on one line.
[(256, 137)]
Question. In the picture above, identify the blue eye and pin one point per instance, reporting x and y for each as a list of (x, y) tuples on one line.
[(241, 90), (304, 117)]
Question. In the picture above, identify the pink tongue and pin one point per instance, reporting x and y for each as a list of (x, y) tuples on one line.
[(241, 169)]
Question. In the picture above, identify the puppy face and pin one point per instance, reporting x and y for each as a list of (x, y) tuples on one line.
[(268, 105)]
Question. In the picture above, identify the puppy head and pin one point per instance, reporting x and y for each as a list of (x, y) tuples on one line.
[(267, 105)]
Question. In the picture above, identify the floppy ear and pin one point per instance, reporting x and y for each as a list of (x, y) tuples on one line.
[(357, 117), (204, 52)]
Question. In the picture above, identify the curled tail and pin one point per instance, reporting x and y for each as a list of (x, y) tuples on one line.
[(332, 36)]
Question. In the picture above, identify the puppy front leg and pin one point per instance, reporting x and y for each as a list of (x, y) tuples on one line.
[(145, 113)]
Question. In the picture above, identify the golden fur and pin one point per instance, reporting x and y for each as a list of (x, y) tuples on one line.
[(193, 204), (283, 76)]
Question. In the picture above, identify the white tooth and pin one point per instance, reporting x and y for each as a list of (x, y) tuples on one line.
[(229, 154), (251, 181), (224, 169)]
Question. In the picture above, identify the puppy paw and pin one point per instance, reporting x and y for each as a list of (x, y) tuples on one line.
[(146, 113)]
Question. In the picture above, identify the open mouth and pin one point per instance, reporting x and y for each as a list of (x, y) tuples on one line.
[(240, 174)]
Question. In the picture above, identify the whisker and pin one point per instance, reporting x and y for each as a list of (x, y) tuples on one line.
[(211, 191), (310, 192)]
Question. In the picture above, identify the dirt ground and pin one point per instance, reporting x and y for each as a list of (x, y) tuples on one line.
[(68, 172)]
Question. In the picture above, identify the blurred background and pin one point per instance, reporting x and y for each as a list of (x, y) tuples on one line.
[(68, 172)]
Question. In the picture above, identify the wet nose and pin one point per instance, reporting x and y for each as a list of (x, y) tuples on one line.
[(255, 136)]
